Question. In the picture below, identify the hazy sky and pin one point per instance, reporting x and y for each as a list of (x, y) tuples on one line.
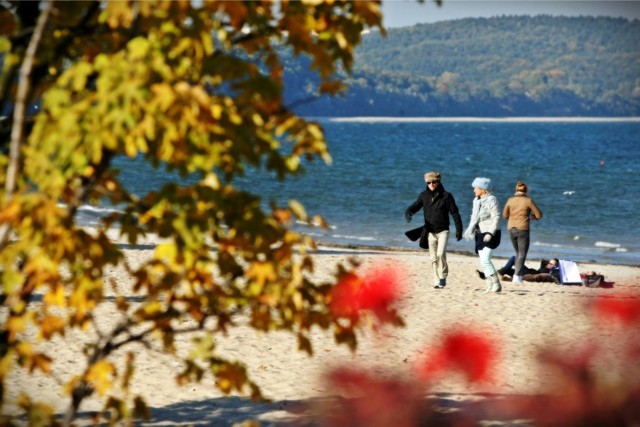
[(401, 13)]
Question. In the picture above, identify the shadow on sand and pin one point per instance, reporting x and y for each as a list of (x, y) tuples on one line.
[(441, 409)]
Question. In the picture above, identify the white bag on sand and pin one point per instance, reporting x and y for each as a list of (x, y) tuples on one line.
[(569, 273)]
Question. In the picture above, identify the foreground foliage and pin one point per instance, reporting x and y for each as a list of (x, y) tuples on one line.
[(190, 88), (596, 383)]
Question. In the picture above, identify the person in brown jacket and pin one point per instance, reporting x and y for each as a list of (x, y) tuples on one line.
[(518, 212)]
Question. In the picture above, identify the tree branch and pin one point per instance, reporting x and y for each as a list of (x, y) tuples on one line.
[(20, 108)]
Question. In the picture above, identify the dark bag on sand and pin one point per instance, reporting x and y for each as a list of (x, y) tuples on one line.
[(593, 280), (419, 233)]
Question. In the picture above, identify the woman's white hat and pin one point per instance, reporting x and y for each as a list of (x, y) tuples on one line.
[(482, 183)]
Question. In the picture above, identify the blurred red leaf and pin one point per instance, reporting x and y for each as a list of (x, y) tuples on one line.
[(373, 400), (381, 290), (376, 291), (345, 296), (625, 311), (469, 352)]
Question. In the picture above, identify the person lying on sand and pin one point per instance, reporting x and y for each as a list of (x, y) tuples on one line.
[(549, 271)]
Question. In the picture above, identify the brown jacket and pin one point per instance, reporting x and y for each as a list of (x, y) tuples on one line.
[(518, 210)]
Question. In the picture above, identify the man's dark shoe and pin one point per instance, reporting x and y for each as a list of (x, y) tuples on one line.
[(441, 284), (480, 274)]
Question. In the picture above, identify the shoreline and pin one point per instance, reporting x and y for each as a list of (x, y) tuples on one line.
[(323, 245), (385, 248)]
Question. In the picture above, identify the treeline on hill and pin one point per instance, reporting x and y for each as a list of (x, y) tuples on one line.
[(495, 67)]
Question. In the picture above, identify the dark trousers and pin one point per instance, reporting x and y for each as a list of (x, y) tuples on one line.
[(508, 269), (520, 241)]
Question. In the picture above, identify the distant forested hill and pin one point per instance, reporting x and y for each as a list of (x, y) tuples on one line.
[(502, 66)]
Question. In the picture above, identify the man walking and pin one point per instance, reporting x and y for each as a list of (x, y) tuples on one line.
[(437, 204)]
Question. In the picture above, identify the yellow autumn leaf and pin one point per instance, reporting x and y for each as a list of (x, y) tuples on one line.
[(224, 385), (10, 212), (298, 209), (56, 101), (315, 131), (207, 43), (102, 61), (342, 41), (51, 325), (77, 76), (5, 45), (203, 347), (24, 349), (55, 297), (130, 146), (42, 362), (257, 119), (216, 111), (182, 89), (200, 95), (297, 300), (181, 48), (138, 48), (118, 13), (100, 376), (80, 302), (151, 309), (164, 96), (286, 126), (282, 215), (6, 363), (211, 180), (262, 272), (12, 281), (148, 127), (235, 119), (166, 251), (15, 325), (293, 163)]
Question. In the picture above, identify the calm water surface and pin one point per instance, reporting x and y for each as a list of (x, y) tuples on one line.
[(583, 176)]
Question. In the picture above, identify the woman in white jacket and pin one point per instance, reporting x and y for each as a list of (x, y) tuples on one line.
[(484, 229)]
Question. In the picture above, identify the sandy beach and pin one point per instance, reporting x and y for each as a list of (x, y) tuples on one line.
[(523, 318)]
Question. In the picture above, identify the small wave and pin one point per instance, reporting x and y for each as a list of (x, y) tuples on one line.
[(607, 245), (551, 245), (97, 209), (312, 234), (89, 215), (363, 238), (603, 245), (91, 209), (314, 224), (568, 193)]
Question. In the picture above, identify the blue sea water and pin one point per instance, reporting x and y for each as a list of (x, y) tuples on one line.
[(582, 174)]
